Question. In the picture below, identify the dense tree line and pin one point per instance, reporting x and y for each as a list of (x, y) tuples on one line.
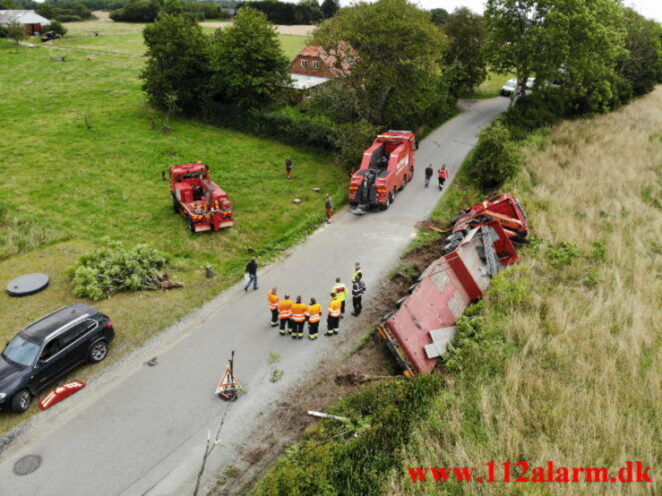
[(304, 12), (238, 67), (148, 10)]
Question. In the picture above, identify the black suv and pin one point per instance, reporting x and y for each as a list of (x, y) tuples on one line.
[(49, 348), (50, 35)]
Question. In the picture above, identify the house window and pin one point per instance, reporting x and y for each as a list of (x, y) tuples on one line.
[(304, 63), (316, 64)]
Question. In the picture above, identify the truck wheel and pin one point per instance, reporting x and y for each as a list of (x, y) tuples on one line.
[(191, 226), (175, 205)]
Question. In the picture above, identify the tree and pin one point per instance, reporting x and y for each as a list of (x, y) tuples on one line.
[(177, 63), (439, 16), (330, 8), (395, 57), (578, 39), (495, 159), (249, 68), (642, 66), (464, 57), (15, 31)]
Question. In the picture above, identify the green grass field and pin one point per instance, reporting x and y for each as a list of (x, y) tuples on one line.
[(127, 38), (489, 88), (81, 159)]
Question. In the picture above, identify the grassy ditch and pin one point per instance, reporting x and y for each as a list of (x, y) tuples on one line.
[(81, 158), (559, 362)]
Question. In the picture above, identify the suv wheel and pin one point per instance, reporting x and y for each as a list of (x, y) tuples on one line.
[(98, 352), (20, 402)]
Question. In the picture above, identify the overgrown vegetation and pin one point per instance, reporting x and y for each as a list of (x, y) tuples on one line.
[(115, 268), (305, 12)]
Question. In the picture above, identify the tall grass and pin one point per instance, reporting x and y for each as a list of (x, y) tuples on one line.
[(565, 362)]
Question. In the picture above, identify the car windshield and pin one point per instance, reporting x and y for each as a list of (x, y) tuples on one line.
[(510, 84), (21, 351)]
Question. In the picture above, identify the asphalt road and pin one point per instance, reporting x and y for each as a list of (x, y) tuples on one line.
[(141, 430)]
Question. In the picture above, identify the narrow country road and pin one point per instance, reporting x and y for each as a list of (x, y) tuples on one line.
[(139, 430)]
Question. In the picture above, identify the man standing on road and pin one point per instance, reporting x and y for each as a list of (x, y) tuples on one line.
[(285, 314), (428, 174), (333, 316), (298, 318), (341, 291), (251, 270), (313, 314), (443, 174), (357, 271), (272, 301), (328, 206), (288, 167), (358, 288)]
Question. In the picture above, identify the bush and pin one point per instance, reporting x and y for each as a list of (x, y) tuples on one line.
[(3, 32), (544, 107), (68, 18), (495, 158), (115, 268), (57, 27)]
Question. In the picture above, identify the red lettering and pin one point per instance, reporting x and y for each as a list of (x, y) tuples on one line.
[(643, 476), (550, 471), (463, 474), (440, 473), (416, 474), (538, 474), (506, 471), (490, 471), (597, 475), (625, 474), (525, 470), (575, 474), (562, 475)]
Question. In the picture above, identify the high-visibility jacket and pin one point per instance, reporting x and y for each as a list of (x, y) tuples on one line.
[(356, 275), (443, 173), (298, 312), (334, 308), (284, 311), (314, 312), (272, 300), (341, 291)]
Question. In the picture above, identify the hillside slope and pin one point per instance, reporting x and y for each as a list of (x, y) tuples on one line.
[(562, 361)]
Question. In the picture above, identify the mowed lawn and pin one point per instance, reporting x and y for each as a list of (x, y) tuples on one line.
[(127, 38), (81, 160)]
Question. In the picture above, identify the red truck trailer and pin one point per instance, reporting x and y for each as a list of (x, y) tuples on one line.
[(204, 205), (420, 330), (386, 167)]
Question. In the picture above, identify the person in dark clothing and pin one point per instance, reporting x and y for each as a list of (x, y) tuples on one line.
[(358, 288), (251, 270), (428, 174), (288, 167)]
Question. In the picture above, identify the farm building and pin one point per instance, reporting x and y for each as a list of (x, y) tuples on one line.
[(33, 22), (314, 65)]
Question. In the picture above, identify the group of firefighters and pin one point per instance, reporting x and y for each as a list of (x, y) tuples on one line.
[(291, 316)]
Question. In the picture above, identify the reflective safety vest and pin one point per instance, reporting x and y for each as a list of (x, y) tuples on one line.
[(356, 274), (272, 300), (284, 309), (343, 291), (443, 173), (298, 312), (334, 308), (313, 312)]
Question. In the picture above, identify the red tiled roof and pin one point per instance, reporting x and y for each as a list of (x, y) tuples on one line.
[(329, 59)]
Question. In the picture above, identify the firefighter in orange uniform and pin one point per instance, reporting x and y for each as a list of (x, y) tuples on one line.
[(313, 314), (333, 318), (272, 301), (285, 315), (298, 318)]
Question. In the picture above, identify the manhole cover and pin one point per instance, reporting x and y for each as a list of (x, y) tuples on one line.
[(27, 464), (27, 284)]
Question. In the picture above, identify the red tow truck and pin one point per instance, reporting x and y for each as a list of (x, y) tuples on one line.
[(204, 205), (386, 167)]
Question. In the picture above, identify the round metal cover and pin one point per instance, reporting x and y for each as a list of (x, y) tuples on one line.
[(27, 464), (27, 284)]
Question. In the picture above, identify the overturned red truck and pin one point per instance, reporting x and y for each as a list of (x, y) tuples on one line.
[(420, 330), (387, 166), (204, 205)]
